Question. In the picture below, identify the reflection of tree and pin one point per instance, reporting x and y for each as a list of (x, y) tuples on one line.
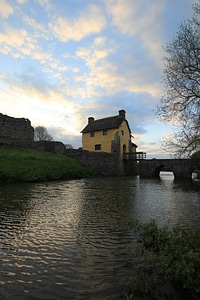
[(187, 185)]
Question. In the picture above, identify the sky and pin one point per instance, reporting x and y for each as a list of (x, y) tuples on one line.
[(62, 61)]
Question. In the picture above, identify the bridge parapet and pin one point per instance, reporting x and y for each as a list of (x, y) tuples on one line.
[(182, 168), (134, 156)]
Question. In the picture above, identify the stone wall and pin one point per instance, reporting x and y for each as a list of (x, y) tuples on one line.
[(50, 146), (15, 131), (107, 164), (131, 167)]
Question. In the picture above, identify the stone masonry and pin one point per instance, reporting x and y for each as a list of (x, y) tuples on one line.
[(15, 131), (182, 168)]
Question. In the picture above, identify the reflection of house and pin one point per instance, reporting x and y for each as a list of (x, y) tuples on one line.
[(111, 134)]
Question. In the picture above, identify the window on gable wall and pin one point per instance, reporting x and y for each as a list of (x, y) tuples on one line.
[(98, 147), (105, 132), (122, 131), (92, 134)]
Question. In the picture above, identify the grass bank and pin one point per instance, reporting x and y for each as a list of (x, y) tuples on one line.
[(27, 165)]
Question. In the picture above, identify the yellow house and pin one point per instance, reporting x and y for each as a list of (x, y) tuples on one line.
[(111, 134)]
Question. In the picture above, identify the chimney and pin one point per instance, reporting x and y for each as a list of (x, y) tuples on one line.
[(90, 119), (122, 114)]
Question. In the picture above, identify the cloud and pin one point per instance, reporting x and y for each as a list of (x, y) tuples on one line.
[(61, 134), (56, 64), (36, 26), (5, 9), (76, 70), (142, 19), (38, 54), (31, 96), (13, 37), (115, 67), (91, 21), (46, 70), (46, 4), (19, 43), (21, 1)]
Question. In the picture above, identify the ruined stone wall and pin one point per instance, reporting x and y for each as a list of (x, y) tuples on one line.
[(15, 131), (50, 146)]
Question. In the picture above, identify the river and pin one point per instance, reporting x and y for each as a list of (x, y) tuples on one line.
[(58, 240)]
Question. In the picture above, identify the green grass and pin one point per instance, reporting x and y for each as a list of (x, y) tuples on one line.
[(27, 165)]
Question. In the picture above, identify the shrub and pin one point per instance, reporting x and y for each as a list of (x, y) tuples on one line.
[(168, 257)]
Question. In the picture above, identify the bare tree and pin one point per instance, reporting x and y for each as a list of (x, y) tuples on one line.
[(184, 141), (196, 155), (180, 104), (41, 134)]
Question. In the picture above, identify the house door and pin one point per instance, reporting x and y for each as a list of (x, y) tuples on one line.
[(124, 150)]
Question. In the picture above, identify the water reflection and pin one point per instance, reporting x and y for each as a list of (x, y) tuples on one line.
[(58, 240), (169, 200), (102, 229)]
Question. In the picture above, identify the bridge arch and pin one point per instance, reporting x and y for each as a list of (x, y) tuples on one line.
[(195, 166), (161, 167)]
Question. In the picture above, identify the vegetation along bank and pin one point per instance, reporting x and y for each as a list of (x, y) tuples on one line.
[(27, 165), (164, 265)]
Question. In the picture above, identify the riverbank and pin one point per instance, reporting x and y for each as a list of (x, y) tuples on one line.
[(27, 165), (168, 262)]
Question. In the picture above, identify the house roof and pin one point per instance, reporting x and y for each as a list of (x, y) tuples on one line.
[(105, 123)]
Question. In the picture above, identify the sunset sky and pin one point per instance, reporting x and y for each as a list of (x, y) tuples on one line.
[(63, 61)]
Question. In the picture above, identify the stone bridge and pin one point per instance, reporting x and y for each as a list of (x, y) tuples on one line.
[(182, 168)]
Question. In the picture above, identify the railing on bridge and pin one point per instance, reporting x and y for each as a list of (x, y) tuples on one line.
[(134, 156)]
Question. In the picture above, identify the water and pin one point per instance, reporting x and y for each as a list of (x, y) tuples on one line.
[(59, 240)]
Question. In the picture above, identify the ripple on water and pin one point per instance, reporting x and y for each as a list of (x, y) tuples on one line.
[(67, 240)]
